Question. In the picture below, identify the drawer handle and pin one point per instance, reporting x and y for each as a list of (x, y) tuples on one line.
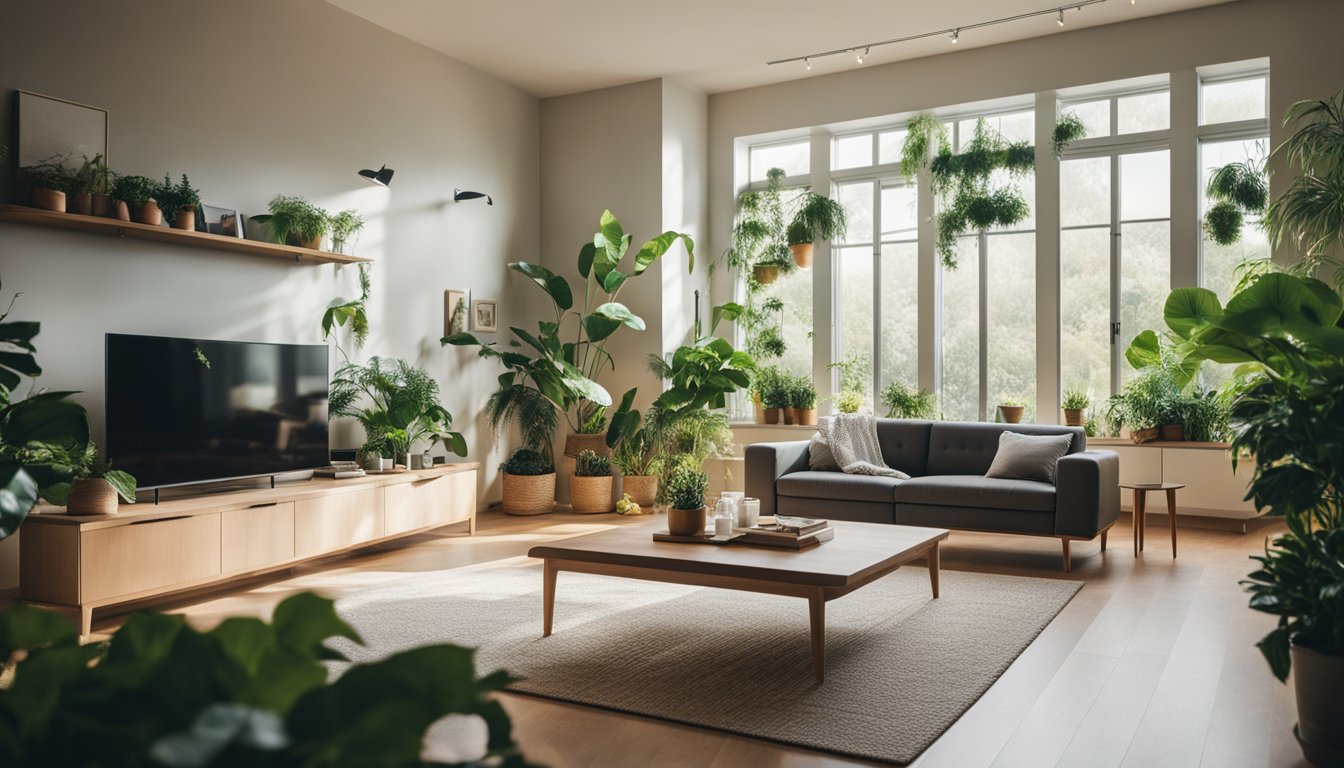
[(160, 520), (263, 506), (423, 480)]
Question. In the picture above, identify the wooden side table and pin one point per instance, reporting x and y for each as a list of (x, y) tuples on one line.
[(1141, 507)]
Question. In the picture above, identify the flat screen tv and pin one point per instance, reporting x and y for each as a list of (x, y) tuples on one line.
[(183, 411)]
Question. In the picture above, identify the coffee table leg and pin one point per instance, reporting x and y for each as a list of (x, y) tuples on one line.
[(547, 596), (934, 565), (816, 603)]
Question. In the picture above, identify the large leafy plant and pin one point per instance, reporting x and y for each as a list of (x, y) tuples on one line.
[(555, 369), (247, 692), (396, 403), (1310, 210)]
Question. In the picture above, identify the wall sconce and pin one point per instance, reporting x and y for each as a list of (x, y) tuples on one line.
[(382, 177), (459, 195)]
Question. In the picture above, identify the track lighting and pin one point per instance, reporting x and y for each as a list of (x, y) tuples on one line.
[(808, 64), (956, 33), (1061, 17), (859, 57)]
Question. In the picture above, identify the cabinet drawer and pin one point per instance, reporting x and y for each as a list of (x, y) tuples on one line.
[(337, 521), (148, 556), (257, 536), (430, 502)]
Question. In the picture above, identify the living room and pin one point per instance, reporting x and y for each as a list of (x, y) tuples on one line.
[(396, 383)]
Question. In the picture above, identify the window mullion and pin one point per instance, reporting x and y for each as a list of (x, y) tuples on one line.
[(877, 290)]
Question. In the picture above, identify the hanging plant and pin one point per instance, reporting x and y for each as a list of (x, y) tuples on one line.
[(1236, 190), (351, 312), (760, 251), (1068, 129), (925, 136)]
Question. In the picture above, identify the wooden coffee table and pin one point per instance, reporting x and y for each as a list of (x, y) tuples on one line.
[(860, 554)]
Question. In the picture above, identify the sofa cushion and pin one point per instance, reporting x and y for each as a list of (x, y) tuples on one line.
[(1028, 457), (905, 444), (837, 485), (819, 456), (968, 448), (978, 492)]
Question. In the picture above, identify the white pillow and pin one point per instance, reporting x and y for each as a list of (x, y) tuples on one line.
[(1028, 457), (819, 456)]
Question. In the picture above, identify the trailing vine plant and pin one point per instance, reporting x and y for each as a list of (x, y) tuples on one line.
[(352, 312), (1237, 190), (1068, 129), (760, 238)]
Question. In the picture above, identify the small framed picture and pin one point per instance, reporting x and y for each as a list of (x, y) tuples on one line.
[(219, 221), (485, 315), (456, 308)]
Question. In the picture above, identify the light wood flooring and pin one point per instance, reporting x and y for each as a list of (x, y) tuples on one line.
[(1152, 664)]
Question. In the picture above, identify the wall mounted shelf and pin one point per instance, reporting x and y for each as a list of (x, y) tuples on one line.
[(18, 214)]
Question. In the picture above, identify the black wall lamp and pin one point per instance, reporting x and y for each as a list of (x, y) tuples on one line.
[(382, 177), (460, 194)]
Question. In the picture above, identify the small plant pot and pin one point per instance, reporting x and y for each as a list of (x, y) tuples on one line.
[(590, 495), (49, 199), (790, 415), (1318, 682), (642, 489), (807, 416), (686, 522), (1140, 436), (315, 244), (802, 254), (1073, 417), (765, 274), (1173, 432), (105, 206), (185, 219), (1012, 414), (149, 213), (576, 443), (79, 202), (122, 211), (771, 415), (92, 496), (529, 494)]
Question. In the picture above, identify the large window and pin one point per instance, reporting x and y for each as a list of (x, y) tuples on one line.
[(794, 157)]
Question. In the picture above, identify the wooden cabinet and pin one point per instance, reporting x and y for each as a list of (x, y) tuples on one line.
[(1212, 488), (76, 564)]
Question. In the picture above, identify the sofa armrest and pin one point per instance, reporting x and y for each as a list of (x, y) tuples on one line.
[(766, 463), (1087, 487)]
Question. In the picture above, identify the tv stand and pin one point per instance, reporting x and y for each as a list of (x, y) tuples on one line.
[(76, 564)]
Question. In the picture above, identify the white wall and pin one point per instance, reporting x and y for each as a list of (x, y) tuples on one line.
[(259, 98), (685, 181)]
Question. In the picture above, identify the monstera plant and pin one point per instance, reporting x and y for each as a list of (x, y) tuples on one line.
[(559, 363)]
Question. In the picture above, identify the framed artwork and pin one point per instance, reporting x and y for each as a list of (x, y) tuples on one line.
[(52, 128), (485, 315), (456, 308), (219, 221)]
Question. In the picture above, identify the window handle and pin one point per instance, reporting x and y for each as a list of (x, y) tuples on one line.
[(1115, 332)]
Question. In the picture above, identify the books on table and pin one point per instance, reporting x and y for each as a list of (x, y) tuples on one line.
[(789, 533), (339, 470)]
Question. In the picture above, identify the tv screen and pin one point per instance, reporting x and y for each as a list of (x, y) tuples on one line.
[(190, 410)]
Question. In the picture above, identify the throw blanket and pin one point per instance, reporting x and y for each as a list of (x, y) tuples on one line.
[(853, 441)]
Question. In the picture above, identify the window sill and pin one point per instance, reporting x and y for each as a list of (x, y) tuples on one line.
[(783, 427)]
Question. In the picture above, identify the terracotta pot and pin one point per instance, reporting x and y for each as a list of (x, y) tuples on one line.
[(79, 202), (1173, 432), (1144, 435), (802, 254), (765, 274), (590, 495), (185, 219), (1012, 414), (92, 496), (49, 199), (529, 494), (643, 489), (1318, 681), (576, 443), (1073, 417), (148, 213), (105, 206), (771, 415), (122, 212), (686, 522), (790, 415), (807, 416)]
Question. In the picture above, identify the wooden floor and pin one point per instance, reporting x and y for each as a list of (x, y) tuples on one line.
[(1152, 664)]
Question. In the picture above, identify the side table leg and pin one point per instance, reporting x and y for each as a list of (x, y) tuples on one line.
[(1134, 516), (1171, 518), (547, 596)]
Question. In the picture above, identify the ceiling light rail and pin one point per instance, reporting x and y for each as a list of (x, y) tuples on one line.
[(954, 33)]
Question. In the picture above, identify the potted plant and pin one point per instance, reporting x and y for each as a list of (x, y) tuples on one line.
[(591, 434), (179, 202), (848, 402), (817, 218), (634, 456), (79, 198), (50, 182), (529, 483), (804, 401), (766, 272), (396, 403), (1011, 410), (686, 486), (138, 194), (97, 486), (906, 402), (344, 226), (774, 394), (101, 182), (1075, 405), (295, 221), (590, 485)]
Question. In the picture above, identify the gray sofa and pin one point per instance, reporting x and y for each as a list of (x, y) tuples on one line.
[(947, 488)]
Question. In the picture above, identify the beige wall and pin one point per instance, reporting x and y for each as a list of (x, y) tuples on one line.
[(253, 99)]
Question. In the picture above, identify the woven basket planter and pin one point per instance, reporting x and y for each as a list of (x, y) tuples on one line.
[(92, 496), (590, 495), (529, 494), (1073, 417), (642, 488), (576, 443)]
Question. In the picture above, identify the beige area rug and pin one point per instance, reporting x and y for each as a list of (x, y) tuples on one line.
[(900, 666)]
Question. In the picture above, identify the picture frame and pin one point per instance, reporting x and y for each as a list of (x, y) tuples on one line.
[(455, 317), (49, 128), (220, 221), (485, 315)]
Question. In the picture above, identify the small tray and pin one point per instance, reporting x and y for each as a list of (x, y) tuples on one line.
[(703, 538)]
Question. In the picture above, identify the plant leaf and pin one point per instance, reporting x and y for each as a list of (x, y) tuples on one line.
[(653, 249), (1189, 308), (619, 312), (18, 494)]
